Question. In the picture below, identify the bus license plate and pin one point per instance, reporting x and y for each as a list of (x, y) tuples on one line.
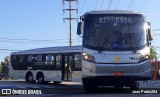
[(117, 73)]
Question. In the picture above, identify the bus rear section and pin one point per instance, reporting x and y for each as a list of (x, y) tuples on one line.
[(115, 47)]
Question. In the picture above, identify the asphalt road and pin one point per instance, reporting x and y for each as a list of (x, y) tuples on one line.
[(70, 89)]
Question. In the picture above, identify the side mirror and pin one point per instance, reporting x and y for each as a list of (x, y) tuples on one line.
[(79, 28), (149, 31)]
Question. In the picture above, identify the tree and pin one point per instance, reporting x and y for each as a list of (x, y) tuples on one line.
[(153, 54), (5, 65)]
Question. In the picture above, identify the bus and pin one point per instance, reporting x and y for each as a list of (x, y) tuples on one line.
[(55, 64), (115, 48), (155, 69)]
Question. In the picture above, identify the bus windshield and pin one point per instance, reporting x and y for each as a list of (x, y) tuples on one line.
[(114, 31)]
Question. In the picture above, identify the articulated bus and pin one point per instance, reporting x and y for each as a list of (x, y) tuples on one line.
[(55, 64), (115, 47)]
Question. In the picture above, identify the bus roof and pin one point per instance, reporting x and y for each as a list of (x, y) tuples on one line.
[(60, 49), (113, 12)]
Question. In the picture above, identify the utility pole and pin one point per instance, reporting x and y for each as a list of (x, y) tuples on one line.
[(70, 9)]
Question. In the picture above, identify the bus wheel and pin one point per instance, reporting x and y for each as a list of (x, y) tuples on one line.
[(40, 79), (89, 86), (29, 78), (134, 85)]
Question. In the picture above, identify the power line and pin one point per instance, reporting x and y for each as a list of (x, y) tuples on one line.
[(96, 4), (22, 41), (156, 47), (101, 4), (28, 41), (10, 41), (155, 29), (130, 4), (31, 39), (150, 8), (156, 34), (32, 33), (117, 4), (83, 6), (35, 43), (9, 50), (110, 1)]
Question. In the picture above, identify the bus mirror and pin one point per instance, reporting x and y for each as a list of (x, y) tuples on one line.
[(149, 31), (79, 28)]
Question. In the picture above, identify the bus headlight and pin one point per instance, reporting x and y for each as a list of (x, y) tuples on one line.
[(144, 58), (88, 57)]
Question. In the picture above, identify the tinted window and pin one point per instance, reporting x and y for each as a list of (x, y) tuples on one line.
[(39, 58), (58, 61), (77, 62), (114, 32), (21, 58), (29, 58)]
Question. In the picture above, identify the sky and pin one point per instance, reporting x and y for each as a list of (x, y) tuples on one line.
[(29, 24)]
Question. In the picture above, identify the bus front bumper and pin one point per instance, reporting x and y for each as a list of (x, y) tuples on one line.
[(137, 71)]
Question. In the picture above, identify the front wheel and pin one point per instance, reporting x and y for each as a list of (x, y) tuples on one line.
[(134, 85), (89, 85)]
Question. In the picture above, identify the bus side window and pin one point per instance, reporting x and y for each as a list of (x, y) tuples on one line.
[(44, 58), (34, 58), (39, 58), (14, 59), (21, 58), (58, 61), (49, 57), (25, 58), (71, 63), (53, 61), (77, 62), (29, 58)]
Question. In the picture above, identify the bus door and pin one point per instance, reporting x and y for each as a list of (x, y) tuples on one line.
[(67, 67)]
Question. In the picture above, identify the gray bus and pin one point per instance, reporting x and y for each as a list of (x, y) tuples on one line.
[(115, 47), (55, 64)]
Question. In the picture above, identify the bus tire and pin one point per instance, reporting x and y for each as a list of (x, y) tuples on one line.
[(134, 85), (89, 86), (40, 78), (29, 78)]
